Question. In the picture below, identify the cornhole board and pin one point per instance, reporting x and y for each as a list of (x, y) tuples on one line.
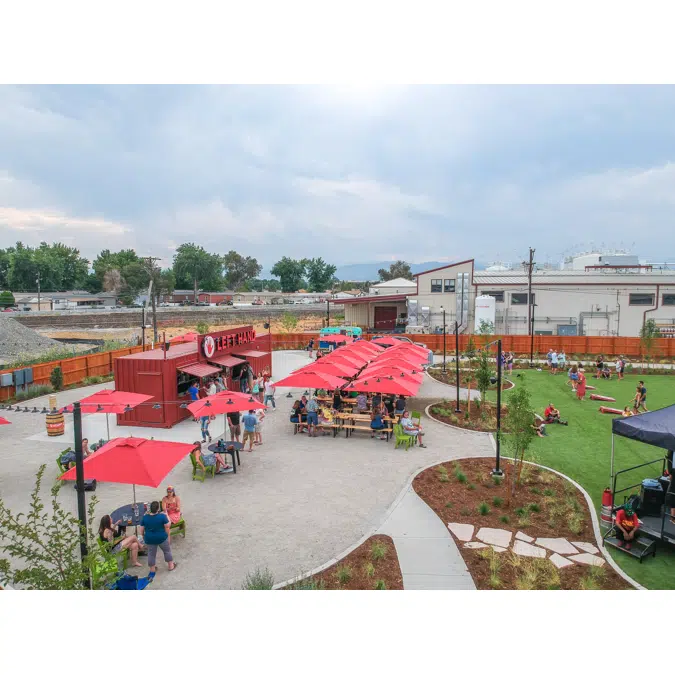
[(597, 397), (611, 411)]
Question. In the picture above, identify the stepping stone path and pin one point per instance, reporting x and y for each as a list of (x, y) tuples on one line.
[(493, 536), (559, 545), (563, 553), (462, 531)]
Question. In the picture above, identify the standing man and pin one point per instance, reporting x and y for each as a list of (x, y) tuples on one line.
[(269, 393), (233, 421), (641, 397), (554, 362), (310, 347), (205, 422), (193, 391), (548, 358), (213, 389), (243, 379), (250, 421), (312, 408)]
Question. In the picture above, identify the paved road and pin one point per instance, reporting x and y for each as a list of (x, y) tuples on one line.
[(296, 503)]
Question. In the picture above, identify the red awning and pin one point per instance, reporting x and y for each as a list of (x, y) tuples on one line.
[(252, 354), (199, 370), (227, 361)]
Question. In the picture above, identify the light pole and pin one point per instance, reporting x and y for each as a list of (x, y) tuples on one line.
[(457, 408), (79, 484), (443, 308), (327, 312), (38, 286), (497, 470), (532, 334)]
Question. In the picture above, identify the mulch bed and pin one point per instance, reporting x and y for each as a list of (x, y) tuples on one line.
[(449, 378), (560, 509), (481, 417), (366, 571)]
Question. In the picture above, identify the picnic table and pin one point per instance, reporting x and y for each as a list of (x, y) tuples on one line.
[(361, 417), (231, 448)]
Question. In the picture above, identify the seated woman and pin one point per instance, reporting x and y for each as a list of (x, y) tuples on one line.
[(377, 424), (361, 403), (337, 400), (171, 505), (210, 459), (540, 429), (606, 372), (400, 404), (627, 412), (411, 428), (296, 413), (627, 525), (109, 534)]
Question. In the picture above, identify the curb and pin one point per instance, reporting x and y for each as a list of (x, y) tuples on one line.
[(452, 426), (445, 384)]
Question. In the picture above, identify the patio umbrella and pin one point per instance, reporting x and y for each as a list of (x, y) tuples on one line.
[(404, 363), (386, 371), (132, 461), (225, 402), (384, 385), (361, 351), (406, 354), (337, 369), (354, 358), (408, 348), (185, 337), (311, 380), (110, 401), (4, 421)]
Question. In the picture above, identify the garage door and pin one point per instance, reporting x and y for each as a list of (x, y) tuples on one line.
[(385, 318)]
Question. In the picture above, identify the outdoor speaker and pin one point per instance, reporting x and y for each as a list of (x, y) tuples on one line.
[(652, 497)]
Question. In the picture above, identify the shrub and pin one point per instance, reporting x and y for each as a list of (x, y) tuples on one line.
[(534, 507), (378, 550), (483, 509), (497, 501), (520, 511), (535, 491), (202, 327), (343, 574), (380, 585), (549, 493), (524, 521), (504, 519), (576, 523), (460, 475), (497, 480), (258, 580), (369, 569), (33, 391), (56, 378), (449, 505), (471, 486)]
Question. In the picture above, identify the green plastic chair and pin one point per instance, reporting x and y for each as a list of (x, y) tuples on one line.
[(197, 470), (416, 415), (179, 528), (62, 467), (403, 438)]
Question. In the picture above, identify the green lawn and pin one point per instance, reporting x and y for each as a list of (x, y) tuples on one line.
[(582, 449)]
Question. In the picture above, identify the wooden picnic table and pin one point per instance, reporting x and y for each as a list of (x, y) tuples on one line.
[(363, 417)]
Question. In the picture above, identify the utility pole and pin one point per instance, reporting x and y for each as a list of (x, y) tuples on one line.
[(530, 265), (38, 285), (150, 262)]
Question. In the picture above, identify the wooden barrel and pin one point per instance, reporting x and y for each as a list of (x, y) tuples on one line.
[(55, 424)]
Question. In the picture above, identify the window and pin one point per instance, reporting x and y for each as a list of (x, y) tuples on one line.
[(668, 299), (498, 295), (436, 286), (521, 299), (640, 298), (448, 285)]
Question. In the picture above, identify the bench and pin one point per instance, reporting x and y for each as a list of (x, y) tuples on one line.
[(350, 428)]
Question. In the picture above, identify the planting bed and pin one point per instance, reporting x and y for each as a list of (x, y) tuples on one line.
[(385, 573), (544, 506), (481, 417), (449, 378)]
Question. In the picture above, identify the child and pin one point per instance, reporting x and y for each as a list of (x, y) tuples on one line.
[(627, 412), (260, 415), (377, 424)]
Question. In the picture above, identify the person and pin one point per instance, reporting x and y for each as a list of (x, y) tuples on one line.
[(220, 385), (390, 408), (319, 354), (212, 389), (509, 362), (337, 400), (155, 529), (255, 388), (376, 400), (540, 428), (599, 367), (296, 416), (627, 525), (209, 459), (249, 420), (361, 403), (205, 422), (193, 392), (554, 362), (620, 366), (269, 393), (171, 505), (400, 404), (627, 412), (573, 374), (310, 347), (552, 414), (562, 360), (312, 408), (606, 372), (548, 358), (203, 389), (108, 532), (412, 428), (640, 397), (233, 421), (581, 385), (68, 459), (260, 416), (243, 379), (377, 424)]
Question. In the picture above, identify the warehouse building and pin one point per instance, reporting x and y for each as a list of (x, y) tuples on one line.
[(599, 299)]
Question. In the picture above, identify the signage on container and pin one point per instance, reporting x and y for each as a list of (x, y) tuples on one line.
[(218, 342)]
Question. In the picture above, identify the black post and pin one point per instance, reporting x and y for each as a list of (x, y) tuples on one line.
[(79, 483), (532, 334), (143, 326), (327, 312), (497, 471), (443, 339), (457, 408)]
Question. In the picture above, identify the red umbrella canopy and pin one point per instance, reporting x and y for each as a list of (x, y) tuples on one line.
[(110, 401), (4, 421), (345, 358), (372, 346), (185, 337), (396, 373), (133, 461), (310, 380), (411, 349), (364, 352), (336, 369), (384, 385), (224, 402), (399, 362), (404, 354)]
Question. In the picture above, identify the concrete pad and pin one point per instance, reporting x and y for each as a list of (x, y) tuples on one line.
[(524, 537), (588, 559), (491, 535), (559, 561), (586, 547), (499, 549), (412, 517), (462, 531), (558, 545), (429, 556), (431, 582), (475, 544), (523, 548)]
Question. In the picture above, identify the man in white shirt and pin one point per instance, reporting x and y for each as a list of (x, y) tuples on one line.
[(554, 362), (212, 390), (269, 394)]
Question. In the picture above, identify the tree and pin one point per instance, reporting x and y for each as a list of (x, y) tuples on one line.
[(193, 265), (113, 282), (239, 270), (5, 262), (289, 322), (648, 335), (290, 273), (106, 260), (320, 275), (518, 426), (7, 299), (486, 328), (202, 327), (45, 547), (253, 285), (484, 373), (136, 279), (92, 284), (398, 269), (122, 273), (56, 378)]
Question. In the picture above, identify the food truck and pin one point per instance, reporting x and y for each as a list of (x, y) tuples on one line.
[(167, 373), (350, 331)]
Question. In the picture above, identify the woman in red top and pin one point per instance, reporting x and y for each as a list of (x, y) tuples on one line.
[(626, 526), (581, 385), (171, 505)]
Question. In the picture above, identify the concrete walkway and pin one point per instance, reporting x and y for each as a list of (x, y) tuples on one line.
[(427, 554)]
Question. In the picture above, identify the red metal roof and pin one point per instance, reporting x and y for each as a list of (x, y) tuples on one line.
[(252, 354), (199, 370), (228, 361), (374, 298), (174, 351)]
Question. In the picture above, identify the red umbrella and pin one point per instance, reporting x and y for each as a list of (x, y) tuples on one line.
[(400, 362), (311, 380), (384, 385), (361, 351), (408, 348), (407, 354), (373, 346), (344, 358), (224, 402), (185, 337), (4, 421), (386, 371), (337, 369)]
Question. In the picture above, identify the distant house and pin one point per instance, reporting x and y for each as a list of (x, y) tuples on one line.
[(341, 295), (64, 300), (393, 287)]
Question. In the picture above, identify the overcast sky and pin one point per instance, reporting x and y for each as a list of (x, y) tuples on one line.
[(352, 174)]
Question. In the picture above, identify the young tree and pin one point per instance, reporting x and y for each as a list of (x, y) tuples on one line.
[(291, 274), (289, 322), (486, 328), (239, 270), (484, 372), (7, 299), (56, 378), (398, 269), (320, 275), (648, 335), (518, 427), (44, 547), (192, 265)]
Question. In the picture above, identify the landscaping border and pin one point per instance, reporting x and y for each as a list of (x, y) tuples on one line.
[(505, 379), (452, 426)]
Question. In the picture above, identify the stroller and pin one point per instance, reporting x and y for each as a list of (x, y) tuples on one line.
[(127, 582)]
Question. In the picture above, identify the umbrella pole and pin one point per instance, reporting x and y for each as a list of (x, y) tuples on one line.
[(135, 526), (107, 424)]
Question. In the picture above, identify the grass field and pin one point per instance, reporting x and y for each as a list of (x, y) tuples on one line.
[(582, 449)]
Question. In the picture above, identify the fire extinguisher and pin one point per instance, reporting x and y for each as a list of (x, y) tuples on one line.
[(607, 505)]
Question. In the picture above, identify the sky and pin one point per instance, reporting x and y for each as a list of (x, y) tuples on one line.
[(349, 173)]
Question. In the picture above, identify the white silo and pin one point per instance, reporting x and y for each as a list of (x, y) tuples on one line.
[(485, 311)]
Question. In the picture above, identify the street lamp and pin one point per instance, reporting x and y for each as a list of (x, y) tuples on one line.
[(497, 470), (327, 312), (79, 483), (443, 309), (532, 337), (457, 408)]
